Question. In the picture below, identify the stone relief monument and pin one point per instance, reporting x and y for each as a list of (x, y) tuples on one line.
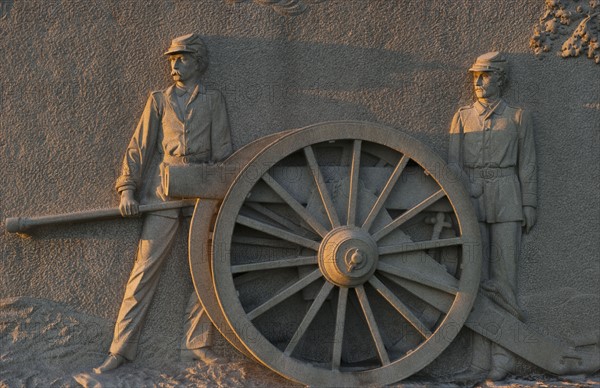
[(334, 248)]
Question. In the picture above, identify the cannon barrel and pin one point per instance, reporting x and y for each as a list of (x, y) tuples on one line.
[(22, 224)]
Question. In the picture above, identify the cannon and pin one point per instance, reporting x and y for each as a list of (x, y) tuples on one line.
[(343, 254)]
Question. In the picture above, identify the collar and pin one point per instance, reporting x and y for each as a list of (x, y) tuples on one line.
[(180, 91), (498, 108), (198, 88)]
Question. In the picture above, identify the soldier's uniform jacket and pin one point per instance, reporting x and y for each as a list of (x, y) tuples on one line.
[(169, 135), (495, 148)]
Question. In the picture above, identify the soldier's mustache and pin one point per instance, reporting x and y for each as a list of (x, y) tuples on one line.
[(175, 72)]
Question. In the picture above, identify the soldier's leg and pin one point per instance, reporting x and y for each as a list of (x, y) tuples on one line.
[(198, 333), (158, 234), (506, 237), (198, 330), (506, 243), (481, 346), (484, 230)]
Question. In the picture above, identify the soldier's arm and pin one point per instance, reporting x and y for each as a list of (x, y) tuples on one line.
[(527, 169), (220, 132), (454, 151), (137, 157)]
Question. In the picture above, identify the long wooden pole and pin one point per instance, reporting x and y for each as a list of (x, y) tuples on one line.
[(22, 224)]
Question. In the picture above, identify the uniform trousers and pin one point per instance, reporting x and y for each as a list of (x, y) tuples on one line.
[(158, 234), (501, 243)]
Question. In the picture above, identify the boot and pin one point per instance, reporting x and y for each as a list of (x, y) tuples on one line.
[(206, 355), (113, 361), (503, 362)]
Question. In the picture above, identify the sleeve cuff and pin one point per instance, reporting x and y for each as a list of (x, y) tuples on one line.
[(124, 183), (530, 201)]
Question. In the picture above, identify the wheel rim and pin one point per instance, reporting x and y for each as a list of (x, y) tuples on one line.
[(199, 252), (348, 259)]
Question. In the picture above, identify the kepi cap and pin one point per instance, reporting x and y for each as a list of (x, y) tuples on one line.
[(493, 61), (190, 43)]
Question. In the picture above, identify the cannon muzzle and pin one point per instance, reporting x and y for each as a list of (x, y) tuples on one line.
[(14, 225)]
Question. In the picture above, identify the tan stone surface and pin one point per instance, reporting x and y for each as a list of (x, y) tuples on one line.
[(75, 76)]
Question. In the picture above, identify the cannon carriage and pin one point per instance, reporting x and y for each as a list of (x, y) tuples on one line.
[(343, 254)]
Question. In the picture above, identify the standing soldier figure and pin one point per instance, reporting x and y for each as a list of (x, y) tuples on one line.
[(492, 148), (182, 124)]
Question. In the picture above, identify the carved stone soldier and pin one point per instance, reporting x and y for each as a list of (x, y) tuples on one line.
[(492, 148), (182, 124)]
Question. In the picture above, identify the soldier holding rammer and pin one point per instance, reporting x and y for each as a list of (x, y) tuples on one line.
[(182, 124)]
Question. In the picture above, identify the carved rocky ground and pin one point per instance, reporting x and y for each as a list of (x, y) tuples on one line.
[(43, 343)]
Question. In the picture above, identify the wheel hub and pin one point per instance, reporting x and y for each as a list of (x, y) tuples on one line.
[(348, 256)]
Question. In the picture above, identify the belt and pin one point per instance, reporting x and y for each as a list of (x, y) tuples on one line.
[(490, 172), (187, 159)]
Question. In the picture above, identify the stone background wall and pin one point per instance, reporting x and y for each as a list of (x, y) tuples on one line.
[(75, 76)]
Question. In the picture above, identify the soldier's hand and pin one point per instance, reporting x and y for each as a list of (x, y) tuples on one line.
[(529, 218), (129, 207)]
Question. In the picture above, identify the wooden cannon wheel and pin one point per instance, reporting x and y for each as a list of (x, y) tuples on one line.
[(327, 262)]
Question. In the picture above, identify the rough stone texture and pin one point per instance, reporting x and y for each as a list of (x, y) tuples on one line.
[(62, 343), (76, 74)]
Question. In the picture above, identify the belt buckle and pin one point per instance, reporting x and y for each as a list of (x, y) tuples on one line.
[(487, 174)]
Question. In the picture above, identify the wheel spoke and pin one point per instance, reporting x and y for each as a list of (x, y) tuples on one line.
[(323, 192), (274, 264), (263, 242), (286, 293), (419, 246), (400, 307), (374, 329), (295, 205), (340, 321), (423, 264), (276, 217), (353, 192), (450, 287), (387, 189), (309, 317), (277, 232), (438, 299), (407, 215)]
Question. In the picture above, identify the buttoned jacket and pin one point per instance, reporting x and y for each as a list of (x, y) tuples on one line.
[(169, 135), (495, 150)]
